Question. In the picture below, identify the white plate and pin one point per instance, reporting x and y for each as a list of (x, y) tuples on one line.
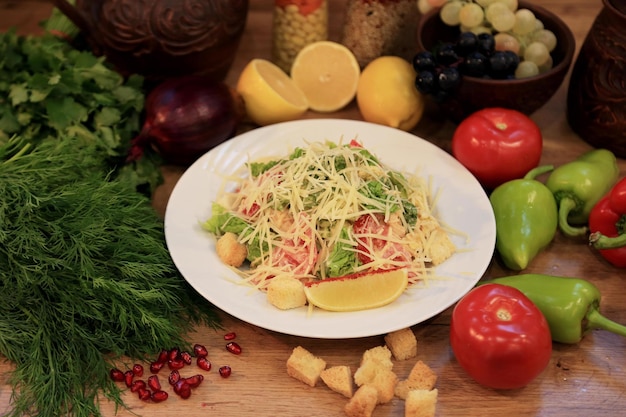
[(462, 204)]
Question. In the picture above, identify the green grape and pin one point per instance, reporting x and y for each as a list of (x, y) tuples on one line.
[(506, 42), (538, 24), (546, 66), (449, 13), (485, 3), (524, 22), (471, 15), (510, 4), (480, 29), (545, 36), (526, 69), (503, 22), (494, 10), (537, 52)]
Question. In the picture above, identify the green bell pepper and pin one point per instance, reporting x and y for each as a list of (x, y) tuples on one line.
[(526, 218), (578, 185), (570, 305)]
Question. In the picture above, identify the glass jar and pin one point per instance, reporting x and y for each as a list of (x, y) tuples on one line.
[(375, 28), (297, 23)]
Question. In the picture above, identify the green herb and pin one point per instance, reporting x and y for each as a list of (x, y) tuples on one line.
[(258, 168), (85, 277), (48, 89), (342, 259), (59, 23), (223, 221)]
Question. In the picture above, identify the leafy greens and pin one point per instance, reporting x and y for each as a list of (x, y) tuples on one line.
[(48, 89), (85, 277)]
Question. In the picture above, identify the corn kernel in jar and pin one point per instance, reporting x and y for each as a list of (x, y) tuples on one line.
[(296, 24)]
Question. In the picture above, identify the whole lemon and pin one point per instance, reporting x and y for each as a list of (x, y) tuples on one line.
[(386, 93)]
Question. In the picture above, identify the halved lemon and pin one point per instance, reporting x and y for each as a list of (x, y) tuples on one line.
[(269, 95), (327, 73), (358, 291)]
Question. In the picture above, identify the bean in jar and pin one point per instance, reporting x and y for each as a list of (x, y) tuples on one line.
[(296, 24), (374, 28)]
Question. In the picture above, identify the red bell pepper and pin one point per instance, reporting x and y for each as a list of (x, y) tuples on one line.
[(607, 224)]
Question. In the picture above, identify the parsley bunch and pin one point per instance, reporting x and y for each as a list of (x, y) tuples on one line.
[(50, 90)]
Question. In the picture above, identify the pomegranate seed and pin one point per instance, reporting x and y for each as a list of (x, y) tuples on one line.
[(137, 369), (116, 375), (200, 351), (137, 385), (163, 354), (204, 364), (194, 381), (186, 357), (230, 336), (174, 377), (153, 383), (225, 371), (144, 394), (155, 367), (176, 364), (173, 354), (158, 396), (128, 378), (185, 392), (234, 348), (180, 385)]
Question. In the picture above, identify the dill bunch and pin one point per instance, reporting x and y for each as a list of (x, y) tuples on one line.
[(85, 277)]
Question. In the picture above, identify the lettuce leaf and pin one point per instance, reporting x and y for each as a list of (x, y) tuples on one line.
[(342, 260)]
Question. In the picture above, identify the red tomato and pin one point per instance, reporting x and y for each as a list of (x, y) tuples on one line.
[(497, 145), (299, 255), (499, 337), (371, 248)]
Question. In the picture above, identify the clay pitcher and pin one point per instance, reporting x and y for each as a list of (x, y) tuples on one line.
[(162, 38), (596, 100)]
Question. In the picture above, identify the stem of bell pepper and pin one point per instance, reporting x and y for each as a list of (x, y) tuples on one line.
[(595, 320), (600, 241), (566, 206)]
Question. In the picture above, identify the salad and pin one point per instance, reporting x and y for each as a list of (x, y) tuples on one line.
[(326, 210)]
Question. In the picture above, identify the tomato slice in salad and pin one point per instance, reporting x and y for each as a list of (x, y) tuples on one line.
[(374, 239), (298, 255)]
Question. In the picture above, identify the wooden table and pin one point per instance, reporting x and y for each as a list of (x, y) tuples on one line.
[(581, 380)]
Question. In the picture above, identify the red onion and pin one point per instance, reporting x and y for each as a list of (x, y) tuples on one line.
[(186, 117)]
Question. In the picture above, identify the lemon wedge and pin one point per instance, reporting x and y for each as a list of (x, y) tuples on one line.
[(358, 291)]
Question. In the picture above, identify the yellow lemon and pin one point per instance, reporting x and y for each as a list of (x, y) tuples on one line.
[(327, 73), (386, 93), (358, 291), (269, 95)]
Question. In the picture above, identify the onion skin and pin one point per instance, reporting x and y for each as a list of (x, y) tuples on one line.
[(186, 117)]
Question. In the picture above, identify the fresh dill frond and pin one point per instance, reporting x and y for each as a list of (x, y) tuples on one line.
[(85, 277)]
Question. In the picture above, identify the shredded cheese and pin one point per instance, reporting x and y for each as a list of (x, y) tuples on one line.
[(298, 208)]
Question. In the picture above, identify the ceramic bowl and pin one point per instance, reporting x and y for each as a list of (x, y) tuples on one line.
[(525, 95), (162, 39)]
